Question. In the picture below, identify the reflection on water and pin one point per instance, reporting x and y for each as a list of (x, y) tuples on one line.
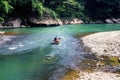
[(31, 56)]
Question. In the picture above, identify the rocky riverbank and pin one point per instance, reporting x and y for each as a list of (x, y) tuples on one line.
[(106, 47), (103, 43), (33, 21), (37, 22), (99, 76)]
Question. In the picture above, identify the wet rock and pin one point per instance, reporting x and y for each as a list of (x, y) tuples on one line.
[(36, 21), (22, 26), (94, 22), (116, 20), (109, 21), (113, 20), (11, 23), (76, 21), (72, 21), (99, 22)]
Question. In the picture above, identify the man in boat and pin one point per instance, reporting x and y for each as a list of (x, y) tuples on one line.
[(56, 40)]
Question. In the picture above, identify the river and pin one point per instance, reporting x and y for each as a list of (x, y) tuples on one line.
[(30, 56)]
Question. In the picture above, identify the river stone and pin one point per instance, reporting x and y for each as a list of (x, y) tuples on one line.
[(109, 21)]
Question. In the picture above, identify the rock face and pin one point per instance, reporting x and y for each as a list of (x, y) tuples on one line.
[(103, 43), (116, 20), (109, 21), (49, 21), (37, 21), (113, 20), (72, 21), (34, 21), (12, 23), (53, 22)]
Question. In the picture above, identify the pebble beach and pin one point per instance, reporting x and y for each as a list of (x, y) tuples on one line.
[(102, 43)]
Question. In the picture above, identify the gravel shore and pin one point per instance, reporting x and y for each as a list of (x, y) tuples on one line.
[(103, 43), (98, 76)]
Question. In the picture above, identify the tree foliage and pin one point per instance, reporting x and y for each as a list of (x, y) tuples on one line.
[(5, 8), (84, 9)]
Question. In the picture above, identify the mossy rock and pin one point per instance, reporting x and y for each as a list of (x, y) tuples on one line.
[(71, 75), (112, 60)]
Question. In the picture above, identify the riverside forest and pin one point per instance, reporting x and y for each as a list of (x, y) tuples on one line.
[(59, 39), (86, 10)]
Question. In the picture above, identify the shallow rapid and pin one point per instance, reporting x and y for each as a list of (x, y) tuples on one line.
[(30, 56)]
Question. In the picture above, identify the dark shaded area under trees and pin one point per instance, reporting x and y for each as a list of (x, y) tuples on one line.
[(84, 9)]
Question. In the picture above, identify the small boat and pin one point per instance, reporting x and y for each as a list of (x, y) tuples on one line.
[(56, 41)]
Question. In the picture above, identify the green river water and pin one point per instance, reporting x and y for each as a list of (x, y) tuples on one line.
[(30, 56)]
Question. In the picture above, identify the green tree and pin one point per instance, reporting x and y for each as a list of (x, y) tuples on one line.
[(5, 8)]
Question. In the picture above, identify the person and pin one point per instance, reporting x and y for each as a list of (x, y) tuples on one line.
[(56, 40)]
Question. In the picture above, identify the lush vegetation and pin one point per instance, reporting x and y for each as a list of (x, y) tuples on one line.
[(84, 9)]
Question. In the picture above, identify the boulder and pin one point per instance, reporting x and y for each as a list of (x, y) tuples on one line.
[(116, 20), (17, 22), (34, 21), (72, 21), (65, 21), (109, 21), (13, 23), (76, 21)]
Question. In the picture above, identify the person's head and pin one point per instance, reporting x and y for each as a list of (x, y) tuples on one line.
[(55, 38)]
